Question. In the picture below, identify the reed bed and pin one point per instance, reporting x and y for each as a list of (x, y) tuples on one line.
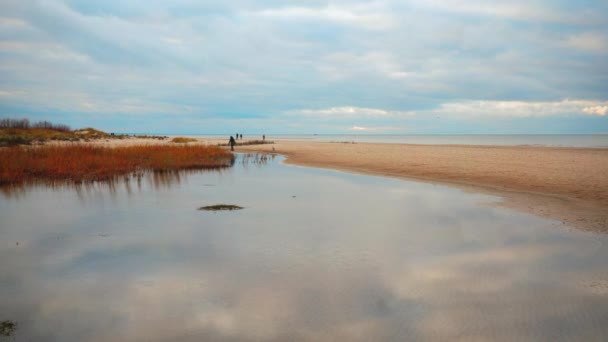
[(91, 163)]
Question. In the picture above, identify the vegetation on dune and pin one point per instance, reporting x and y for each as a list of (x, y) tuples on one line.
[(23, 132), (89, 163), (181, 140), (91, 133), (26, 136)]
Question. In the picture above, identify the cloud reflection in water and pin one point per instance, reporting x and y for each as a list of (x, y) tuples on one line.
[(349, 258)]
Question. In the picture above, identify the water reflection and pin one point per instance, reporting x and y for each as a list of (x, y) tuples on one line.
[(257, 159), (348, 258), (135, 181), (130, 182)]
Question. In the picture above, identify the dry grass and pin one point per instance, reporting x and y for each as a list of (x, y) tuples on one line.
[(89, 163), (182, 140)]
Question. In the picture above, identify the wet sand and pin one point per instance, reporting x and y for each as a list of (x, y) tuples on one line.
[(565, 184)]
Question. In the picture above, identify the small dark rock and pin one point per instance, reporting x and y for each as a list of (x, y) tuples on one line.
[(7, 328), (219, 207)]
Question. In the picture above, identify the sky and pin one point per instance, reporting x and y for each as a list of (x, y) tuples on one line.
[(306, 67)]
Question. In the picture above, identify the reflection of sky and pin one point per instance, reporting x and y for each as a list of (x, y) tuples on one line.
[(349, 257)]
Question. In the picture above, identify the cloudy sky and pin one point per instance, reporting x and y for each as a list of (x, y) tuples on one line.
[(383, 67)]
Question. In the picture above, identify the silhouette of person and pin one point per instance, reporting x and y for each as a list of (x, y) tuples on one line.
[(241, 136), (237, 135), (263, 137), (232, 142)]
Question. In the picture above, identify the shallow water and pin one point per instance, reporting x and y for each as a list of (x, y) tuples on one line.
[(315, 255)]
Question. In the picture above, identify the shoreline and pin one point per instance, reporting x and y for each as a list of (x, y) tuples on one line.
[(567, 184)]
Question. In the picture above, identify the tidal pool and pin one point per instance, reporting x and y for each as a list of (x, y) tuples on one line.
[(313, 255)]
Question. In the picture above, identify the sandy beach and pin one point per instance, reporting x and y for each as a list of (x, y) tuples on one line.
[(565, 184)]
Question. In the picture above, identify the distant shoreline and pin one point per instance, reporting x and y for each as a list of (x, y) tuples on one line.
[(569, 184), (543, 140)]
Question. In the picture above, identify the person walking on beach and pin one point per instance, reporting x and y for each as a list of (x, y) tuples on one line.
[(231, 142), (263, 137)]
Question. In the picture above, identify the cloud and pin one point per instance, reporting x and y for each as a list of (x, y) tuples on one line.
[(515, 9), (341, 65), (15, 23), (84, 102), (520, 109), (377, 60), (588, 41), (469, 109), (376, 129), (596, 110), (362, 15), (348, 112)]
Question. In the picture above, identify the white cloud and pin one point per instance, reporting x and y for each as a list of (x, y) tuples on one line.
[(347, 65), (596, 110), (588, 41), (517, 10), (348, 112), (172, 40), (375, 128), (42, 51), (464, 109), (362, 15), (8, 22), (4, 93)]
